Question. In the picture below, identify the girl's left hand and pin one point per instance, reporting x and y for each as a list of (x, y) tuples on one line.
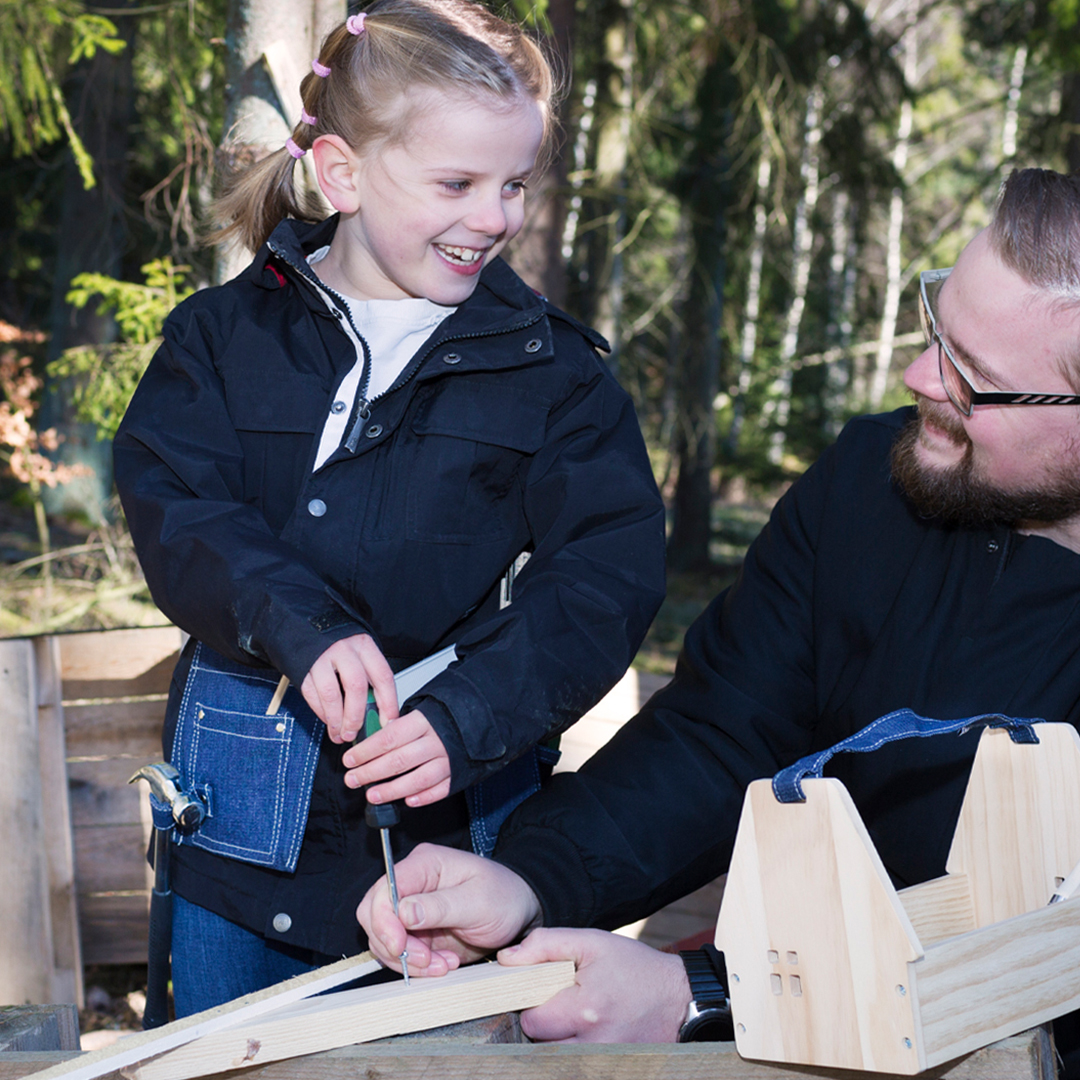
[(409, 754)]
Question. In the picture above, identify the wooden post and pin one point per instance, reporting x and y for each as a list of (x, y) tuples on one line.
[(28, 1028), (26, 947)]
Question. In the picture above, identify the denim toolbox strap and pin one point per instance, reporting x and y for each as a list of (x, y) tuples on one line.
[(902, 724)]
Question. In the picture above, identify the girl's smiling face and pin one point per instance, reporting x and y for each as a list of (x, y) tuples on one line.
[(422, 216)]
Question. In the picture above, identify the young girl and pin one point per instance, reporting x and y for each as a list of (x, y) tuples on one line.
[(330, 467)]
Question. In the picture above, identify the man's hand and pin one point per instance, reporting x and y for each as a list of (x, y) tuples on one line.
[(407, 749), (454, 907), (336, 687), (624, 992)]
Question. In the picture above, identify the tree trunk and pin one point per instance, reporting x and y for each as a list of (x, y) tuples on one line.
[(92, 237), (894, 270), (704, 196), (778, 407), (841, 295), (1011, 124), (1070, 115)]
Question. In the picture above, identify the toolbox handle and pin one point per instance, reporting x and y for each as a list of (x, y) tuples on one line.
[(902, 724)]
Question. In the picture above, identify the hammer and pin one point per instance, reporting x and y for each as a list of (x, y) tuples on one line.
[(171, 808)]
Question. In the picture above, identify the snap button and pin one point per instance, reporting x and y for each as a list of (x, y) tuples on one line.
[(279, 728), (374, 431), (282, 922), (316, 508), (534, 345), (452, 358), (992, 546), (338, 407)]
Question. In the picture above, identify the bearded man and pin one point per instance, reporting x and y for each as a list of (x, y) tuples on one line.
[(929, 560)]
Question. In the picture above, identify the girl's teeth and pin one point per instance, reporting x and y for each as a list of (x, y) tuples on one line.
[(460, 254)]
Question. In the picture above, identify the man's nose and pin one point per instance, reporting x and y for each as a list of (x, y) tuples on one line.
[(923, 374)]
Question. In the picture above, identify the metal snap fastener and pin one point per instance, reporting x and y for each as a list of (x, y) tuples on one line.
[(316, 508), (452, 358), (338, 407), (282, 922), (534, 345), (374, 431), (992, 546)]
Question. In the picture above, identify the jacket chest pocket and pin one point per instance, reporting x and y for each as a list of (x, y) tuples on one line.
[(254, 771), (470, 445)]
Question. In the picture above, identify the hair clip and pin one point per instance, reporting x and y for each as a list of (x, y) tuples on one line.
[(294, 149), (355, 23), (320, 69), (307, 118)]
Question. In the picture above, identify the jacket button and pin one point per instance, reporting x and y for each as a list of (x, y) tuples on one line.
[(534, 345), (316, 508), (374, 431), (338, 407), (282, 922), (992, 546), (452, 358)]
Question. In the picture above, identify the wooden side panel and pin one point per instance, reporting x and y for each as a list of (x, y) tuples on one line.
[(26, 948), (816, 941), (114, 685), (998, 980), (67, 983), (1019, 827), (940, 908)]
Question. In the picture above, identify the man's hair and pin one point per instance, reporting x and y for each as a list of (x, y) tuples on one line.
[(1036, 230)]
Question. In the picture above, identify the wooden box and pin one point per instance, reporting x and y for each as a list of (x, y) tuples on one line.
[(830, 966)]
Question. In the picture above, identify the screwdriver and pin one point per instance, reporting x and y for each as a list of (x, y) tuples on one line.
[(381, 816)]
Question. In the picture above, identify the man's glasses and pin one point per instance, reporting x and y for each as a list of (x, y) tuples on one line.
[(957, 385)]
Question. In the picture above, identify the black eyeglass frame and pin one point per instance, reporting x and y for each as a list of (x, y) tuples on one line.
[(963, 395)]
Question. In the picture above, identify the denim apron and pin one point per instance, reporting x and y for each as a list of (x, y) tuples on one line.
[(254, 772)]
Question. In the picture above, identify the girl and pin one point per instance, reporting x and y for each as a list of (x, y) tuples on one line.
[(331, 469)]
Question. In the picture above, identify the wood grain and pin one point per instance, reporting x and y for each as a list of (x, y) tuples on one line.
[(354, 1016), (940, 908)]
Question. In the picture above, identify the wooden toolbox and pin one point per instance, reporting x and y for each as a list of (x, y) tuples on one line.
[(830, 966)]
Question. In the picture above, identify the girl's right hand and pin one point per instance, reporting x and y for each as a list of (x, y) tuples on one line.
[(336, 687)]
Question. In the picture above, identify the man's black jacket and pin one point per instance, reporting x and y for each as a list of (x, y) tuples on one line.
[(848, 606)]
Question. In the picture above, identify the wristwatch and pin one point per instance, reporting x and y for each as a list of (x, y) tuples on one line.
[(709, 1016)]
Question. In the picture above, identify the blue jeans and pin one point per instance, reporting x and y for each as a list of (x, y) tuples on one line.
[(214, 960)]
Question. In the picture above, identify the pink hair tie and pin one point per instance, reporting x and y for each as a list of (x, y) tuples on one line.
[(307, 118), (320, 69), (294, 149), (355, 23)]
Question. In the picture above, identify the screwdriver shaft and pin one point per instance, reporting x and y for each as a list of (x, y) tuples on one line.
[(391, 877)]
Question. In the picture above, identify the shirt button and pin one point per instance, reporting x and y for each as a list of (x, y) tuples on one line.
[(534, 345), (316, 508), (452, 358), (374, 431), (992, 546), (338, 407), (282, 922)]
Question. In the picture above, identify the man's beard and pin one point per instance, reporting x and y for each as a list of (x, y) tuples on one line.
[(956, 496)]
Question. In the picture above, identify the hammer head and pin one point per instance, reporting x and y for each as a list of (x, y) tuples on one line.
[(163, 779)]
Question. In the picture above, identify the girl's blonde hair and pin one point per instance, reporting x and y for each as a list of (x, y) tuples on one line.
[(454, 46)]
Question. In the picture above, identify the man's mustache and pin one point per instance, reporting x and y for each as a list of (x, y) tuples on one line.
[(943, 417)]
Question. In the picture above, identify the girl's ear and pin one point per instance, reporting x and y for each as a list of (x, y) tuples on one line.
[(338, 170)]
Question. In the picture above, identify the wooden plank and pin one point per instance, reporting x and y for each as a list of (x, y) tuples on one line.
[(66, 968), (1025, 1057), (243, 1010), (998, 980), (125, 656), (39, 1027), (1019, 826), (940, 908), (115, 929), (26, 948), (115, 728), (100, 794), (816, 941), (110, 858), (371, 1012)]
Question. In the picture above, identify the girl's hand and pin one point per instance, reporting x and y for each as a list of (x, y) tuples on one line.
[(408, 750), (336, 687)]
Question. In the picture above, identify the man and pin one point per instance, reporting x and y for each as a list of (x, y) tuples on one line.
[(928, 560)]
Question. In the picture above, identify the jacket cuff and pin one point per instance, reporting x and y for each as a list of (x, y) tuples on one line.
[(551, 865)]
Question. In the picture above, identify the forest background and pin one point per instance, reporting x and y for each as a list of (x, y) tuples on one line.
[(745, 195)]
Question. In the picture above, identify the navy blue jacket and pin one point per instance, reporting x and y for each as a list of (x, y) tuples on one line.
[(849, 606), (506, 432)]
